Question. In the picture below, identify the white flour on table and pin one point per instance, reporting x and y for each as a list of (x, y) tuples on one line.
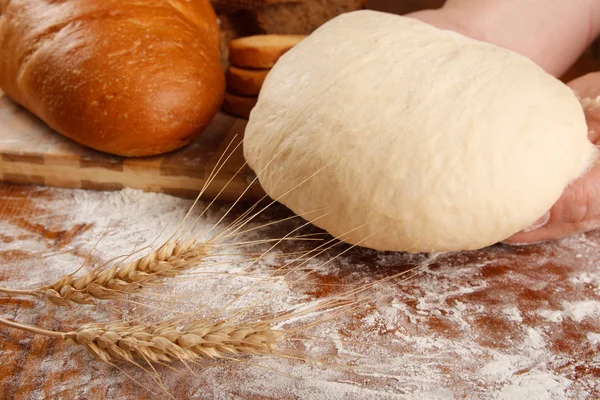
[(468, 326)]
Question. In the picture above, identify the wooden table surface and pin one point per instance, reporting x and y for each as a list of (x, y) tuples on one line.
[(499, 323), (502, 322)]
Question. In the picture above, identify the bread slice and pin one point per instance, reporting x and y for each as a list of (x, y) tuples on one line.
[(245, 82), (303, 16), (240, 106), (260, 51)]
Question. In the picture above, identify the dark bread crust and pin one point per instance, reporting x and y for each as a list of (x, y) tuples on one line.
[(128, 78), (252, 17), (303, 16)]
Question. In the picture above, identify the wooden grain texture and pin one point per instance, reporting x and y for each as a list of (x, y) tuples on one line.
[(30, 152), (457, 327)]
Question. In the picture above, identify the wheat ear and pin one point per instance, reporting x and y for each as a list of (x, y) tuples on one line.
[(170, 260), (168, 342)]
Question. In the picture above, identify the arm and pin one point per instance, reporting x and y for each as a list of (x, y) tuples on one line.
[(578, 209), (553, 33)]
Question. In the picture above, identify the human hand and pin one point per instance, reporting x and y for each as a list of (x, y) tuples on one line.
[(553, 34), (578, 209)]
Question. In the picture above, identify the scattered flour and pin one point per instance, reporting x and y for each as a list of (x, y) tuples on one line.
[(553, 316), (513, 314), (594, 338), (463, 328), (535, 386), (579, 310)]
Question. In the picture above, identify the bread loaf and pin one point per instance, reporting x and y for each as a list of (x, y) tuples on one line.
[(283, 16), (402, 7), (129, 78), (303, 16)]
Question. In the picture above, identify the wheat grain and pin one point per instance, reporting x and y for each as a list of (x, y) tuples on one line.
[(170, 260), (169, 343)]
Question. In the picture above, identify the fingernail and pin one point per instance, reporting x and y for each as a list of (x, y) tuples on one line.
[(522, 244), (539, 223)]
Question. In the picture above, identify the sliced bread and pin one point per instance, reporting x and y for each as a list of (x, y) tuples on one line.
[(260, 51), (240, 106), (245, 82)]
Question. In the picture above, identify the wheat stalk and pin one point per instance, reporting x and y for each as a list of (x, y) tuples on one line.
[(170, 260), (168, 342)]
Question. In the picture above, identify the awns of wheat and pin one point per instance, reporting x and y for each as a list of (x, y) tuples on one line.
[(170, 260), (168, 343)]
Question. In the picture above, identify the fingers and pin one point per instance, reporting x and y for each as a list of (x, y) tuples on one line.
[(587, 85), (578, 210), (552, 232), (588, 89)]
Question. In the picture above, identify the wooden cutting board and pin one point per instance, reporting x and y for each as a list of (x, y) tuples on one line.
[(32, 153)]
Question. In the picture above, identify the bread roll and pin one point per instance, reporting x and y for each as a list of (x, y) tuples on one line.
[(128, 78)]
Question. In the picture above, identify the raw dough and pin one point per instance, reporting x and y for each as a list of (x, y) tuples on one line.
[(419, 139)]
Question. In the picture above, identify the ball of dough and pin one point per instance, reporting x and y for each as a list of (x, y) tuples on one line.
[(402, 136)]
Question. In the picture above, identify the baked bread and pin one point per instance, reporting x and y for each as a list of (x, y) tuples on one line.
[(402, 7), (240, 106), (303, 16), (283, 16), (128, 78), (245, 82), (260, 51)]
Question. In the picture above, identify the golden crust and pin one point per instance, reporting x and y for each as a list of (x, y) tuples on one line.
[(132, 79)]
